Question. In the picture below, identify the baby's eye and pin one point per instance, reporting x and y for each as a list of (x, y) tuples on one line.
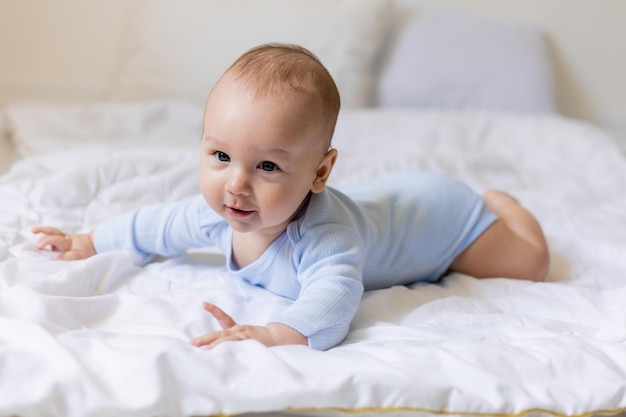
[(268, 166), (221, 156)]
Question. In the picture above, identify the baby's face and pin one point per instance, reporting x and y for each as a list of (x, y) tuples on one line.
[(259, 158)]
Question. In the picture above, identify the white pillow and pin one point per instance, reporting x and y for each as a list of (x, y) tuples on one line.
[(42, 128), (179, 48), (452, 59)]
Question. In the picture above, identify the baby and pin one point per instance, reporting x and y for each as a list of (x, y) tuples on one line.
[(264, 162)]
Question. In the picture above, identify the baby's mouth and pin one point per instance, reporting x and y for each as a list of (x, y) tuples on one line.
[(235, 212)]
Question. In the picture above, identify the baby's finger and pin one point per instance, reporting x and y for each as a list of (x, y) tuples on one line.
[(55, 242), (210, 340), (229, 338), (223, 319), (206, 339), (47, 230)]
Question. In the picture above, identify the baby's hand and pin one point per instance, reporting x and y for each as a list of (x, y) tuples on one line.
[(270, 335), (79, 246)]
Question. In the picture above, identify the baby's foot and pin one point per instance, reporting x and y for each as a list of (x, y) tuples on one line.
[(497, 199)]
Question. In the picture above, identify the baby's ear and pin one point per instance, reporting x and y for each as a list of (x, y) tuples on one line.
[(324, 170)]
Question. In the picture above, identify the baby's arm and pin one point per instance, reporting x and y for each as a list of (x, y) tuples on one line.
[(163, 229), (320, 317), (71, 246)]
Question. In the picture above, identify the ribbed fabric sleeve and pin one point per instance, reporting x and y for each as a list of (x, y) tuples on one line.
[(162, 229), (330, 259)]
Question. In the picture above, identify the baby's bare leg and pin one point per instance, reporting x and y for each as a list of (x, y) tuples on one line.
[(513, 247)]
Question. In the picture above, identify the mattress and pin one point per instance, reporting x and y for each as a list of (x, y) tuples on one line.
[(105, 336)]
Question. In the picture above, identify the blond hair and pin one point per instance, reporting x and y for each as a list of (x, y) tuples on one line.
[(292, 71)]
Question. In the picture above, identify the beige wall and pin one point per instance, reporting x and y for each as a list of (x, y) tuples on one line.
[(60, 49), (68, 49)]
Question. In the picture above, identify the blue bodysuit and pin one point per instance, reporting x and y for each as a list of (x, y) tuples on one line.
[(398, 229)]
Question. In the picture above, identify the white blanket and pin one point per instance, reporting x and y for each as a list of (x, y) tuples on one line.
[(103, 337)]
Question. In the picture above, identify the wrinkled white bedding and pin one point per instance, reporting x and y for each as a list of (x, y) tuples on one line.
[(104, 337)]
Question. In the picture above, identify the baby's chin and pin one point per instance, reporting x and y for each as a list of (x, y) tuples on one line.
[(271, 232)]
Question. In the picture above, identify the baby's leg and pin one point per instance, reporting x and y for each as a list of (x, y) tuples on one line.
[(513, 247)]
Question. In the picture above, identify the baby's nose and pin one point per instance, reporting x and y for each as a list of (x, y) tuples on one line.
[(238, 182)]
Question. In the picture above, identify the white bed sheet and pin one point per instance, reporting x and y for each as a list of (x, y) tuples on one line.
[(103, 337)]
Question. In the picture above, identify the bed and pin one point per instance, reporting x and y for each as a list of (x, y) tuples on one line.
[(108, 337)]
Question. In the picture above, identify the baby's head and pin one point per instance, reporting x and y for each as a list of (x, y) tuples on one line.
[(268, 124), (294, 74)]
